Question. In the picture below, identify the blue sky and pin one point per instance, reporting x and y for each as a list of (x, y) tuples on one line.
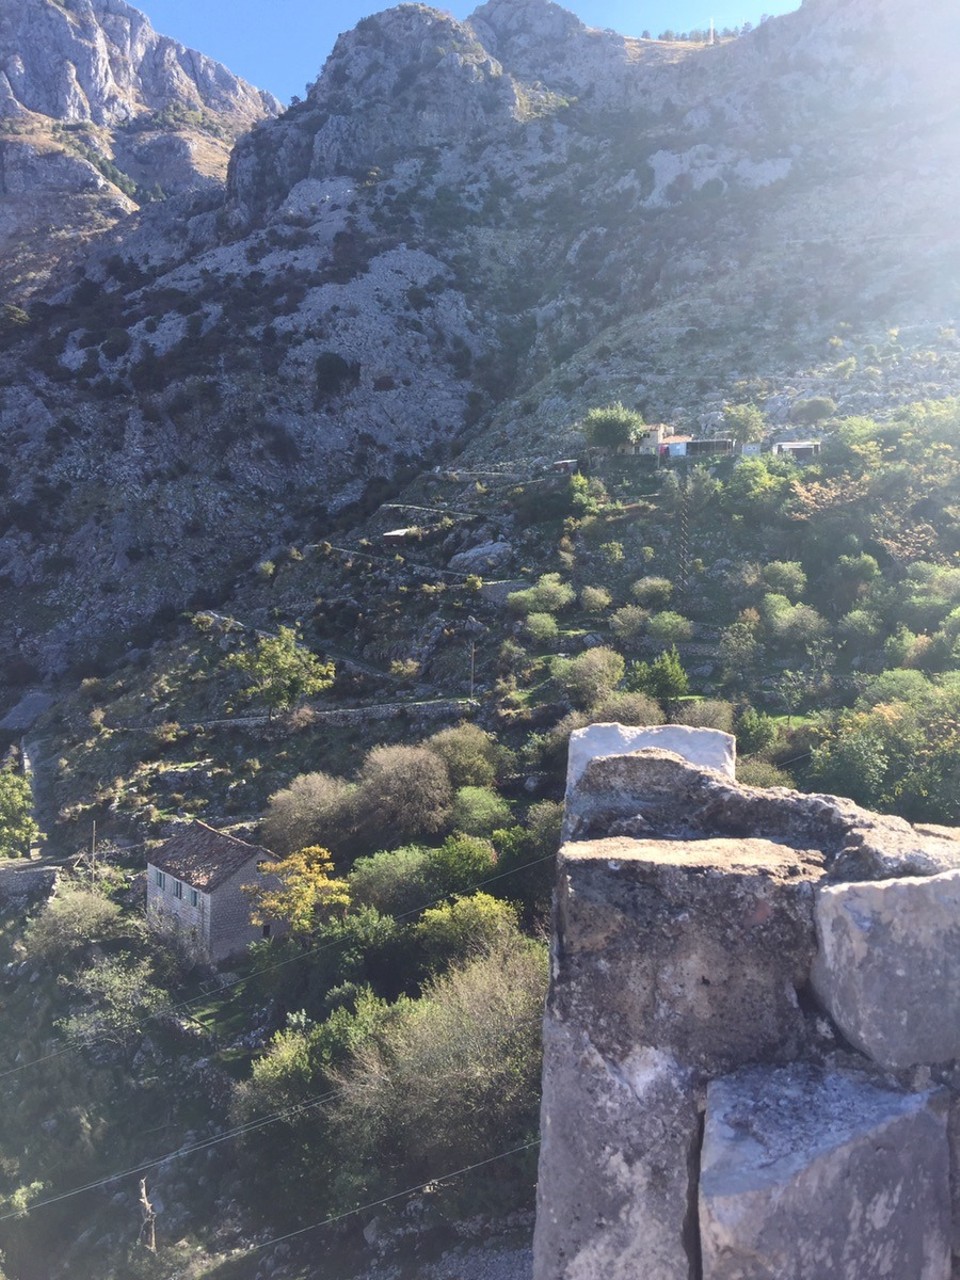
[(281, 45)]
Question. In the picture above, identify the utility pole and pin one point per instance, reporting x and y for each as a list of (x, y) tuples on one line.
[(473, 664), (148, 1227), (93, 853)]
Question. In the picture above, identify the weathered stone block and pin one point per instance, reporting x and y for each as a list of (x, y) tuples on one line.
[(695, 947), (888, 967), (617, 1185), (806, 1174), (707, 748)]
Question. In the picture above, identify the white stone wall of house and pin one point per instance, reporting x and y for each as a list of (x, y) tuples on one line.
[(752, 1036), (187, 907)]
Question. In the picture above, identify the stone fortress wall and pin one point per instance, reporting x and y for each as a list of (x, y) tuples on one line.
[(752, 1036)]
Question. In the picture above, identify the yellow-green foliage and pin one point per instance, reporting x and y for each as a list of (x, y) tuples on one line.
[(458, 930), (308, 892)]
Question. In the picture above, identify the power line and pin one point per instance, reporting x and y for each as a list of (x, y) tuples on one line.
[(228, 1135), (397, 1195), (239, 1132), (83, 1042)]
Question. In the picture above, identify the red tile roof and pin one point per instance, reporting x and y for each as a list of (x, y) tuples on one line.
[(203, 857)]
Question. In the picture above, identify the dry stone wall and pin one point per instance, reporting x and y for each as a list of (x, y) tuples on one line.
[(752, 1037)]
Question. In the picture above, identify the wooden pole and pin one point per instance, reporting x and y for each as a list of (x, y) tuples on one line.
[(148, 1227)]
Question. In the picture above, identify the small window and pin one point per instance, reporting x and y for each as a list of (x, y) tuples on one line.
[(161, 879), (178, 888), (194, 898), (265, 931)]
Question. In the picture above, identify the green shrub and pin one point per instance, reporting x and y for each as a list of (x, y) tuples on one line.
[(755, 731), (595, 599), (542, 628), (403, 792), (760, 773), (664, 678), (459, 865), (668, 627), (458, 931), (472, 756), (478, 811), (393, 881), (589, 676), (786, 577), (418, 1096), (18, 830), (623, 707), (118, 996), (706, 713), (652, 591), (612, 426), (314, 809), (75, 918), (628, 623), (549, 595)]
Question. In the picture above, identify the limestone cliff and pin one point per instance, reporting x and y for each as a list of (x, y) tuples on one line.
[(97, 113)]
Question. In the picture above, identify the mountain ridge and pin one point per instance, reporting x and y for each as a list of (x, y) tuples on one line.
[(431, 254), (99, 113)]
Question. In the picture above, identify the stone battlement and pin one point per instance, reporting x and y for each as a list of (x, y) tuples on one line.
[(752, 1037)]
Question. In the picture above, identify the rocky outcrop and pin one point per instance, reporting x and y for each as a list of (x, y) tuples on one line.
[(101, 61), (713, 963), (99, 113)]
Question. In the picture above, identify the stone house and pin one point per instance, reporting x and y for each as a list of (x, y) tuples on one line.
[(196, 880)]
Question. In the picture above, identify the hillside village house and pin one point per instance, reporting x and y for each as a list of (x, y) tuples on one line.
[(196, 880)]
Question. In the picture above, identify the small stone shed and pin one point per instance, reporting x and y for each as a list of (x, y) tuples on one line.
[(196, 879)]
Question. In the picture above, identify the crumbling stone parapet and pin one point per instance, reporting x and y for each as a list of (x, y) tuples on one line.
[(716, 942)]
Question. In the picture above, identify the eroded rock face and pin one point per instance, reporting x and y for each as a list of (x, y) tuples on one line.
[(888, 967), (100, 60), (806, 1173)]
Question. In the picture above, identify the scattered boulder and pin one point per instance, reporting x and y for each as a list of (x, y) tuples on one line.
[(27, 712), (486, 558)]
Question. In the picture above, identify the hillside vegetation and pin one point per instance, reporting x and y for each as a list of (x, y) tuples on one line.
[(808, 607), (318, 522)]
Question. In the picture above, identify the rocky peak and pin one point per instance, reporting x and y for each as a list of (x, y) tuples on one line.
[(99, 113), (539, 41), (437, 77), (409, 77), (102, 61)]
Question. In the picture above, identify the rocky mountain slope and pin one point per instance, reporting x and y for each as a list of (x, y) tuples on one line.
[(467, 234), (97, 114)]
